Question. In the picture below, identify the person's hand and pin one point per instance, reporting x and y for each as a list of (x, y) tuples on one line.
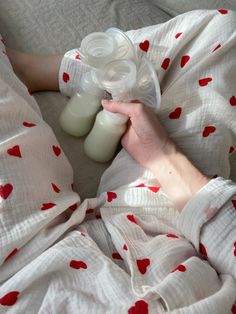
[(148, 143), (145, 139)]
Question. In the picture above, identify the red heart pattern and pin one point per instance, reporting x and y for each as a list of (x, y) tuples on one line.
[(143, 265), (165, 63), (6, 190), (140, 307), (47, 206), (178, 35), (57, 150), (180, 268), (28, 124), (78, 264), (98, 216), (234, 204), (231, 149), (176, 113), (77, 57), (184, 61), (217, 47), (141, 185), (66, 77), (13, 252), (232, 101), (203, 250), (89, 211), (223, 11), (208, 130), (144, 45), (132, 218), (10, 298), (73, 207), (125, 247), (154, 189), (170, 235), (116, 255), (204, 81), (233, 309), (14, 151), (111, 196), (55, 188)]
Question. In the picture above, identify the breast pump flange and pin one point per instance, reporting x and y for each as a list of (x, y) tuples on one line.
[(115, 68), (124, 80), (99, 48)]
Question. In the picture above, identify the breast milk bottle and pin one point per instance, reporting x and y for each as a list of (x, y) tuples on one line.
[(118, 78), (101, 143), (79, 114)]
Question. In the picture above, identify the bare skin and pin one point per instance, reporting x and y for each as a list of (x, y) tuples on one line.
[(145, 139), (148, 143), (37, 72)]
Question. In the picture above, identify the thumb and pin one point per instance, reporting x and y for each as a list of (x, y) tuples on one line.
[(124, 107)]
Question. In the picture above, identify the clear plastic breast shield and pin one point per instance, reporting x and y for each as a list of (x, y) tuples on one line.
[(99, 48), (127, 81), (115, 68), (118, 70)]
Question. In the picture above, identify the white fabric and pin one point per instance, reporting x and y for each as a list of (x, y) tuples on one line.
[(142, 256)]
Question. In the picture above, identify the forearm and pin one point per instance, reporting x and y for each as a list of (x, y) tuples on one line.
[(178, 177), (44, 71), (37, 72)]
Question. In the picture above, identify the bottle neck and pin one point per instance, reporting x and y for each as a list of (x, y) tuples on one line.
[(118, 78), (98, 49), (88, 86)]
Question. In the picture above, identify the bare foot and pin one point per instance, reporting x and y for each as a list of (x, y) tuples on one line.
[(37, 72)]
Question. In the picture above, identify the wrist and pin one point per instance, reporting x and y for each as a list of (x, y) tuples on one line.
[(178, 177)]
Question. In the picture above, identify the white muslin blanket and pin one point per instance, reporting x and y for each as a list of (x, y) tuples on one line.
[(127, 250)]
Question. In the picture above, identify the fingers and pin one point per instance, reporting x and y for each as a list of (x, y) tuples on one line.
[(130, 109), (130, 139)]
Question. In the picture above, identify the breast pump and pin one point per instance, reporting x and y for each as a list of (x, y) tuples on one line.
[(114, 68)]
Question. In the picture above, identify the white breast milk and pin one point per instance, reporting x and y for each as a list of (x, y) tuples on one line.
[(78, 116), (101, 143)]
